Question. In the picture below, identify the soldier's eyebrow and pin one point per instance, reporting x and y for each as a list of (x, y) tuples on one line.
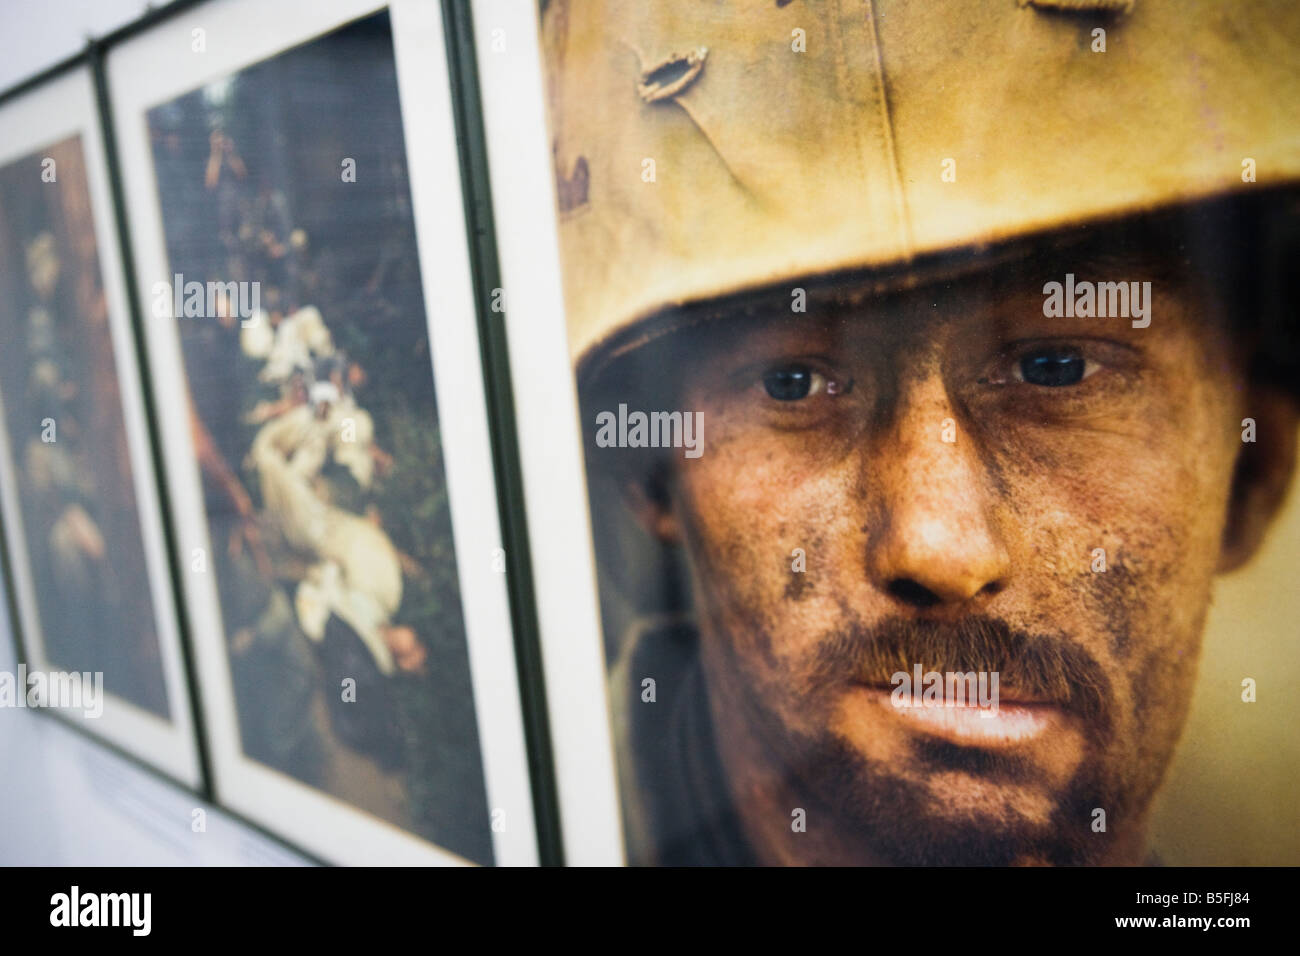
[(1116, 256), (1107, 264)]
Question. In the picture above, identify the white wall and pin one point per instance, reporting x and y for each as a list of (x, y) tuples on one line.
[(36, 34)]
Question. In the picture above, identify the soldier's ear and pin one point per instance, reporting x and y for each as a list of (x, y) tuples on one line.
[(1263, 474), (648, 497)]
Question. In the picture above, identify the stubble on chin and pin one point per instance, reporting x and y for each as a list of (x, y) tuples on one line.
[(782, 753)]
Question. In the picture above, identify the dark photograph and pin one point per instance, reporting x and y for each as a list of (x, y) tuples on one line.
[(79, 533)]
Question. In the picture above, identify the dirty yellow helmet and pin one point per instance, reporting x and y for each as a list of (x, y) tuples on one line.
[(708, 147)]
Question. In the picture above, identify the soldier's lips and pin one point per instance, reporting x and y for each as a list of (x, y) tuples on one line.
[(1010, 723)]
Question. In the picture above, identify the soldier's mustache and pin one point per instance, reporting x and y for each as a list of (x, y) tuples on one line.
[(1035, 667)]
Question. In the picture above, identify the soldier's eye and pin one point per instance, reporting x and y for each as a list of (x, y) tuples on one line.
[(789, 383), (1053, 367), (793, 381)]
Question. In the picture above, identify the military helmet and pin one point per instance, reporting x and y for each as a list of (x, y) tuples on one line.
[(704, 148)]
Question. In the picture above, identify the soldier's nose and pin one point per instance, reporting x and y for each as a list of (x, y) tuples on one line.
[(936, 541)]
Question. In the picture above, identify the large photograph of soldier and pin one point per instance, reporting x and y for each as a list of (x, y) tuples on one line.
[(315, 425), (984, 319), (79, 525)]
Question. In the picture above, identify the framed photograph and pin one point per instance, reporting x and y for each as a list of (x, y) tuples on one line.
[(300, 247), (934, 463), (83, 532)]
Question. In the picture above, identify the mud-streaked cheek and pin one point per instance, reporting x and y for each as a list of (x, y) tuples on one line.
[(749, 509)]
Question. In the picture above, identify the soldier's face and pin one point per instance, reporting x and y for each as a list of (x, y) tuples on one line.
[(953, 480)]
